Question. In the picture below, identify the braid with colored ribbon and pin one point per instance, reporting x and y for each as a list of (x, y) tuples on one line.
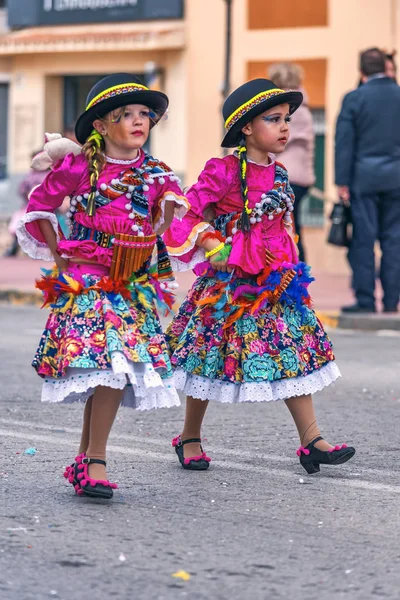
[(244, 220), (94, 152)]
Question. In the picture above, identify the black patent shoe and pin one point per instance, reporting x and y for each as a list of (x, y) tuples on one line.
[(195, 463), (390, 309), (311, 458), (95, 488)]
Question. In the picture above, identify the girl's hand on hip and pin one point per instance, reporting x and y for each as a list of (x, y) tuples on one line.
[(61, 263)]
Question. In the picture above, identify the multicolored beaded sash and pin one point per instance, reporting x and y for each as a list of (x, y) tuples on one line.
[(133, 183), (143, 246), (80, 233)]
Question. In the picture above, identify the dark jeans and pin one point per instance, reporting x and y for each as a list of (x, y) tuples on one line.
[(375, 217), (299, 192)]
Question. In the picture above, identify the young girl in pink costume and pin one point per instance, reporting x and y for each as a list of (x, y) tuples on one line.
[(103, 343), (246, 331)]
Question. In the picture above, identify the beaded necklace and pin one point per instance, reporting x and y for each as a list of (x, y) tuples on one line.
[(272, 203), (131, 183), (275, 201)]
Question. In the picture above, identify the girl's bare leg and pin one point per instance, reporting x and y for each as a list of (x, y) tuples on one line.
[(86, 426), (195, 411), (302, 410), (105, 406)]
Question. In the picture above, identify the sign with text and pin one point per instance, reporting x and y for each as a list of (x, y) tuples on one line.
[(28, 13)]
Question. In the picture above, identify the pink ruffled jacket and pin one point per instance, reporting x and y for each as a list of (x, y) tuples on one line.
[(70, 177), (217, 192)]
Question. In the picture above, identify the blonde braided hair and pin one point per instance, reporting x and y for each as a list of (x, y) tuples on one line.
[(94, 154)]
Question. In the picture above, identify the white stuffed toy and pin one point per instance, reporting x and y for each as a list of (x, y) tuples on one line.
[(55, 148)]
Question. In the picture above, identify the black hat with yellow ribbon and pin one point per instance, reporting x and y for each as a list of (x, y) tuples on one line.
[(115, 91), (250, 100)]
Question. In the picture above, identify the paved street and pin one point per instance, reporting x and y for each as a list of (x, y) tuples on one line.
[(254, 527)]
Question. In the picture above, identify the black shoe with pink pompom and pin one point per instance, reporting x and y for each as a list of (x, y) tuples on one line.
[(311, 458), (95, 488), (194, 463)]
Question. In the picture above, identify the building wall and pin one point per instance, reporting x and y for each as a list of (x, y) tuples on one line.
[(325, 36), (36, 99), (205, 22), (315, 72), (350, 26)]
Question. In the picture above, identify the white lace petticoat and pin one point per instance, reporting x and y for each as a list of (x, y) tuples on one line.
[(143, 387), (224, 391)]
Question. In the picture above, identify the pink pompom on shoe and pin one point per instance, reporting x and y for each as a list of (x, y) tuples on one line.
[(176, 441), (203, 456), (337, 447), (70, 472), (302, 450)]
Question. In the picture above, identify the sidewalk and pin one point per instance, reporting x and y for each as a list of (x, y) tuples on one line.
[(329, 293)]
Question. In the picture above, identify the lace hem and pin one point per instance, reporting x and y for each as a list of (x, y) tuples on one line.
[(30, 245), (224, 391), (143, 387), (179, 212), (178, 266)]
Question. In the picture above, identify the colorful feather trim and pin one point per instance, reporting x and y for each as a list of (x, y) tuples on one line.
[(60, 290), (230, 298)]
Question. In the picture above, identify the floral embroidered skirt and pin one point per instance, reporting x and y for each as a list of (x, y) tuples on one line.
[(97, 334), (281, 352)]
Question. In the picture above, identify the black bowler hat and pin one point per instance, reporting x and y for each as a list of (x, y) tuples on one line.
[(114, 91), (248, 101)]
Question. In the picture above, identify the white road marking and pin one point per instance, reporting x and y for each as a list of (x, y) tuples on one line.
[(237, 466), (164, 443), (144, 440)]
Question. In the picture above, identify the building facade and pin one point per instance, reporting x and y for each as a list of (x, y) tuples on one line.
[(51, 52)]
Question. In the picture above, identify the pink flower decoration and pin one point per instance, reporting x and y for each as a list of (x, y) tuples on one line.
[(258, 346), (281, 325), (114, 319), (45, 369), (230, 366)]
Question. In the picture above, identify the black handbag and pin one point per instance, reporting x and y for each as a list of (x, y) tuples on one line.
[(339, 233)]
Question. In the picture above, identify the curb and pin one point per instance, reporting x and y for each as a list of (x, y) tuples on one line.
[(328, 319), (360, 322), (20, 297), (372, 322)]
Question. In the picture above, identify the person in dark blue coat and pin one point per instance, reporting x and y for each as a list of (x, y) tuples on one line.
[(367, 173)]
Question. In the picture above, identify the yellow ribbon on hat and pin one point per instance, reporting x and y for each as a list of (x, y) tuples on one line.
[(244, 108), (115, 90)]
